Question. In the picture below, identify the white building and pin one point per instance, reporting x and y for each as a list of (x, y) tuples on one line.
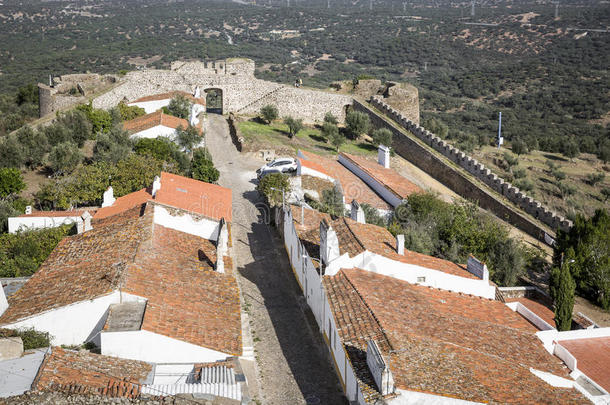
[(47, 219), (153, 103), (151, 280), (154, 125)]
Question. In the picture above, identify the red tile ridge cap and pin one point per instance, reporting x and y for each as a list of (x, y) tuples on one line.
[(367, 171)]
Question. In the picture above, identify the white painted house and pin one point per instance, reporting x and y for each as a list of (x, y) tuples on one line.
[(47, 219), (154, 125), (155, 102), (151, 279)]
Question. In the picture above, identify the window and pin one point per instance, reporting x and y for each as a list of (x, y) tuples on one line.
[(421, 279)]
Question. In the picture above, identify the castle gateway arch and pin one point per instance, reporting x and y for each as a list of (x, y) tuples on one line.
[(214, 100)]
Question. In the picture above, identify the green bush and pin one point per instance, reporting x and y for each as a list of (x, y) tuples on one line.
[(203, 168), (11, 182), (100, 120), (23, 252), (32, 339), (188, 137), (294, 125), (371, 215), (271, 187), (165, 150), (130, 112), (269, 113), (330, 118), (562, 288), (519, 172), (11, 152), (180, 107), (64, 158), (357, 123), (382, 136), (35, 146), (78, 126)]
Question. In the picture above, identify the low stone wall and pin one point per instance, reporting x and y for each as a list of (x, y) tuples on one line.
[(478, 170), (432, 164)]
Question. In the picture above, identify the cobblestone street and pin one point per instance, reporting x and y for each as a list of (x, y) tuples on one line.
[(293, 364)]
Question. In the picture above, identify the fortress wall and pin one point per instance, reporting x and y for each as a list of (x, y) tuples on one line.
[(456, 180)]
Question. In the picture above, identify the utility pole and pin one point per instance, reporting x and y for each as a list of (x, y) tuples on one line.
[(425, 66), (404, 7), (557, 10), (371, 5), (500, 139), (472, 9), (328, 4)]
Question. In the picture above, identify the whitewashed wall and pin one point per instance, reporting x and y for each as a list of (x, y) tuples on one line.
[(306, 171), (155, 348), (151, 106), (204, 228), (408, 272), (416, 398), (529, 315), (22, 223), (156, 132), (379, 188), (72, 324)]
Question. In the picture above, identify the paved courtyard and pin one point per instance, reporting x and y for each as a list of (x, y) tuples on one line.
[(293, 364)]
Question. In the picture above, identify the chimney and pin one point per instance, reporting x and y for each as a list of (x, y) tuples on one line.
[(329, 243), (400, 244), (222, 245), (383, 156), (477, 268), (379, 369), (357, 213), (3, 301), (108, 197), (28, 209), (86, 226), (156, 186)]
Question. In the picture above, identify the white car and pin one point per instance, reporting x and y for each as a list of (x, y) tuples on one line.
[(278, 165)]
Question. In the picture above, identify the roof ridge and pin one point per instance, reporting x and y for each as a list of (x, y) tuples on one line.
[(383, 332), (352, 233), (370, 173)]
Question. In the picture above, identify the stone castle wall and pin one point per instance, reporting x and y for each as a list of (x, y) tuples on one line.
[(452, 177), (478, 170), (242, 92)]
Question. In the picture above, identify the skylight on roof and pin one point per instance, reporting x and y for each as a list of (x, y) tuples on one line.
[(180, 189)]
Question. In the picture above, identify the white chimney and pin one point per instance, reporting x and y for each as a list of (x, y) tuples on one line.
[(357, 213), (383, 156), (3, 301), (302, 214), (86, 222), (28, 209), (400, 244), (108, 197), (329, 243), (477, 268), (379, 368), (156, 186), (222, 245)]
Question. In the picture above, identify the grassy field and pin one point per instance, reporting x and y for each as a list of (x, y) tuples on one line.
[(258, 135), (579, 195)]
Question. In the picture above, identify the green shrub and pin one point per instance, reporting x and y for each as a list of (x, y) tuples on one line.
[(382, 136), (23, 252), (294, 125), (269, 113), (35, 146), (357, 123), (330, 118), (11, 152), (64, 158), (11, 182), (202, 167), (180, 107), (519, 172), (271, 187), (32, 339), (188, 137), (130, 112)]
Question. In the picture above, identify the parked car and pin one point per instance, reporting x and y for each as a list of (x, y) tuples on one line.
[(281, 165)]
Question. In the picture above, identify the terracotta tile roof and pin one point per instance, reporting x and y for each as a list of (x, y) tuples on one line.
[(537, 308), (207, 199), (187, 299), (50, 214), (355, 237), (314, 166), (152, 120), (592, 358), (441, 342), (170, 95), (309, 231), (87, 373), (353, 187), (393, 181), (124, 203), (81, 267)]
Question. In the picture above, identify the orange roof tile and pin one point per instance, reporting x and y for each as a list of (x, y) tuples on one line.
[(87, 373), (441, 342), (152, 120), (186, 298), (126, 202), (353, 187), (170, 95), (314, 166), (393, 181), (207, 199), (537, 308), (592, 358)]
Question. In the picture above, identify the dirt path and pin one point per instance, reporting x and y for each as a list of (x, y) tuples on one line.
[(293, 364)]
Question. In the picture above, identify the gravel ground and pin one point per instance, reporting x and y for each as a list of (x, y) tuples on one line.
[(292, 361)]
